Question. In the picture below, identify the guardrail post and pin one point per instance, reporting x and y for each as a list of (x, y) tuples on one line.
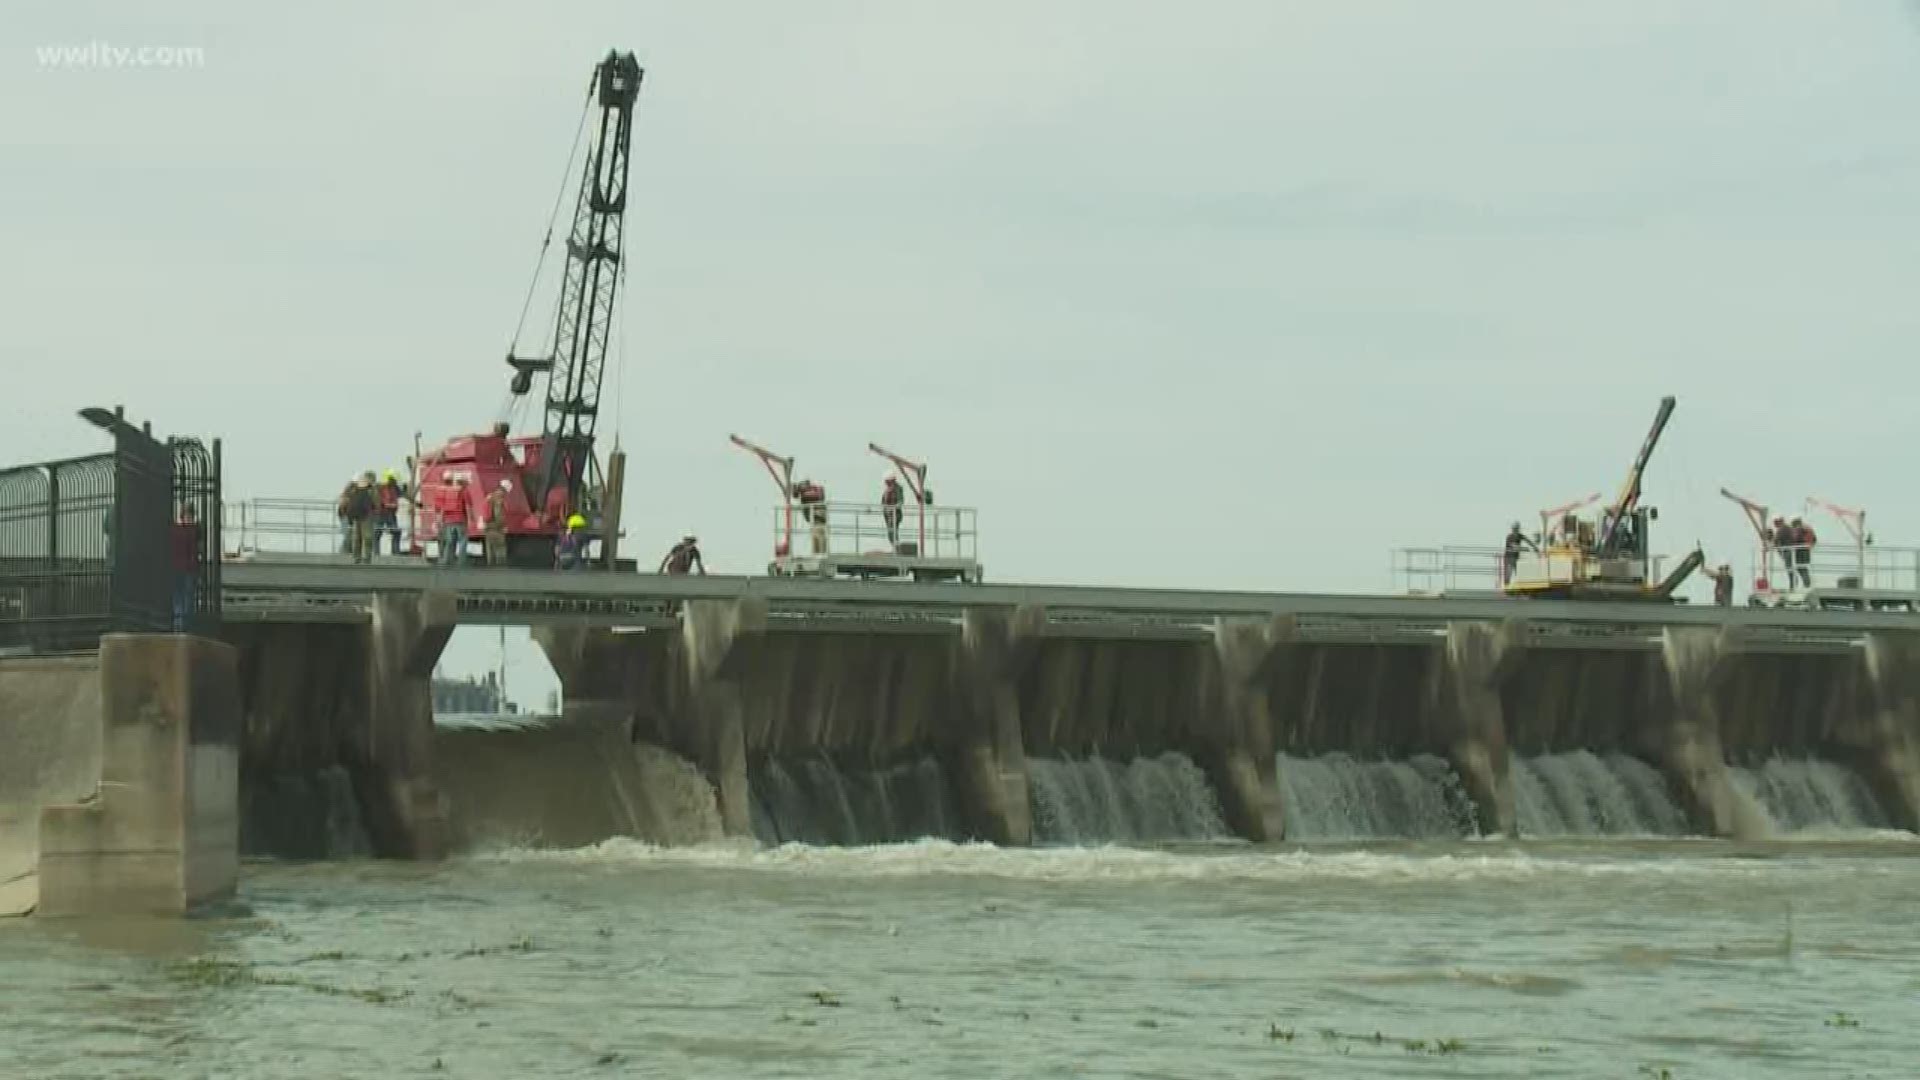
[(1891, 751), (995, 648), (1240, 751), (405, 638), (719, 641), (1698, 661), (1479, 659)]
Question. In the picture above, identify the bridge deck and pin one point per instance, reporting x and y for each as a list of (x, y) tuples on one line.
[(310, 592)]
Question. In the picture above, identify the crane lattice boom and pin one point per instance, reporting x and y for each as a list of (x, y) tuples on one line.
[(584, 319)]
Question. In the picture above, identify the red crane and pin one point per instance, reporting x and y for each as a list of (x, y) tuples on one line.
[(548, 478)]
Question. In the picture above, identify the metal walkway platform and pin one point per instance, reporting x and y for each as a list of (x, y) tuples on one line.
[(313, 592)]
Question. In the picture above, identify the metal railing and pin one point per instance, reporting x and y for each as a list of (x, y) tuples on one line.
[(56, 553), (1889, 569), (1436, 570), (306, 526), (1462, 568), (932, 532)]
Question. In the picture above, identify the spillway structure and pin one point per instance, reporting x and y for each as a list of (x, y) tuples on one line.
[(856, 713)]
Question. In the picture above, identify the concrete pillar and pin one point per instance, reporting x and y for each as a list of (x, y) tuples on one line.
[(994, 650), (1687, 743), (406, 817), (600, 673), (1889, 743), (1239, 750), (719, 642), (1479, 658), (162, 834)]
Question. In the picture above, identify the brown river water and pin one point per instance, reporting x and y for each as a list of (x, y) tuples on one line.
[(1455, 959)]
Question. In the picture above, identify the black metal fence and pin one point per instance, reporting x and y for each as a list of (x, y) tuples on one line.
[(196, 508), (122, 541)]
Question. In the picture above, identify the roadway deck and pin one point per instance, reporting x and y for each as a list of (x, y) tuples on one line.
[(310, 591)]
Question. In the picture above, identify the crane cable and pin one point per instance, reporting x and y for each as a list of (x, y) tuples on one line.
[(619, 350), (510, 408)]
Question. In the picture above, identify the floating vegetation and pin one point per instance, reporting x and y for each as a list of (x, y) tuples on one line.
[(1276, 1033), (520, 944), (826, 999), (209, 972), (1842, 1020)]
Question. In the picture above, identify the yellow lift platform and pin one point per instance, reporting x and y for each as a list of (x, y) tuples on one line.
[(1608, 558)]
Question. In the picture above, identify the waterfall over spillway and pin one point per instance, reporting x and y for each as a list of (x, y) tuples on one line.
[(1090, 800), (813, 800), (1586, 794), (1340, 797), (1802, 794)]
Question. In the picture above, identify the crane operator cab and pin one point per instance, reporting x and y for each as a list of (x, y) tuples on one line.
[(1606, 558)]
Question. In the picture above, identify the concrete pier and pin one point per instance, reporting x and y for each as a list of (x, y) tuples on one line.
[(602, 673), (1688, 745), (51, 729), (405, 639), (158, 833), (1239, 750), (1886, 739), (718, 644), (995, 651), (1469, 688)]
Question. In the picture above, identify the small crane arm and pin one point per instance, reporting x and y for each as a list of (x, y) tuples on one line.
[(1629, 497)]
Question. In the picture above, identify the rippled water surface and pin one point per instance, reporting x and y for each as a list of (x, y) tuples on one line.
[(1463, 960)]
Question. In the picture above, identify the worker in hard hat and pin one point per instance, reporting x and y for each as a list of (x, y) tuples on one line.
[(494, 528), (891, 498), (363, 509), (1722, 585), (813, 507), (1510, 551), (570, 550), (387, 519), (450, 505), (684, 557), (1803, 541)]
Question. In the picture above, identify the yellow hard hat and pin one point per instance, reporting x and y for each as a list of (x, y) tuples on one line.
[(576, 522), (389, 474)]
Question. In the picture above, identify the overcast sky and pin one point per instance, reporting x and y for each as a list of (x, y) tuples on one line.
[(1232, 293)]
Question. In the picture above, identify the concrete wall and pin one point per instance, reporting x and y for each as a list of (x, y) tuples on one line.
[(50, 752), (159, 833), (730, 687)]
